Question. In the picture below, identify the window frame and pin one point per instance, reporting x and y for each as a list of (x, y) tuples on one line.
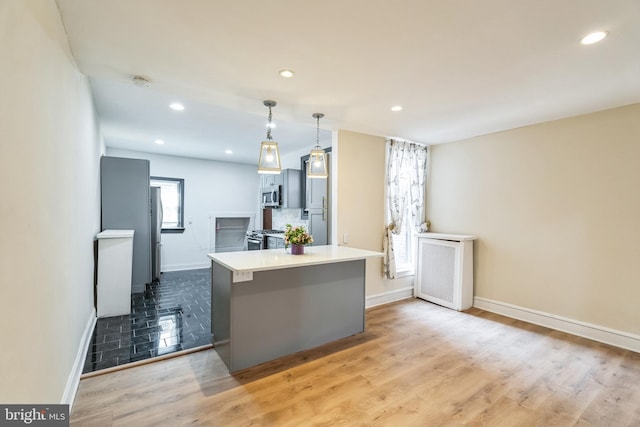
[(180, 181)]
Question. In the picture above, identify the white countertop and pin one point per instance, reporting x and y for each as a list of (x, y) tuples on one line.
[(115, 234), (273, 259), (447, 236)]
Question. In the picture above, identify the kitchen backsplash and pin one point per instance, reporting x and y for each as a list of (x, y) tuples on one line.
[(282, 217)]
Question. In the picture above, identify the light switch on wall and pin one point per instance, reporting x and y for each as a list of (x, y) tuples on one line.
[(345, 238)]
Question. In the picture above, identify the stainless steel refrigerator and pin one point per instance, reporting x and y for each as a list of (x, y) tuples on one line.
[(125, 196), (156, 232)]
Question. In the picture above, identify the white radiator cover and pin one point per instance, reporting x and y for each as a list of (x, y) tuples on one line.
[(444, 273)]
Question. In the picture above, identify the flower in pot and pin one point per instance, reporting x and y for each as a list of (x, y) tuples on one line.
[(297, 237)]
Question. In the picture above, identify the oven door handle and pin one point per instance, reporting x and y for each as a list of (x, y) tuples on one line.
[(255, 242)]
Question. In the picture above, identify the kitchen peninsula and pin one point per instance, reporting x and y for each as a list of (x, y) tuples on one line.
[(269, 303)]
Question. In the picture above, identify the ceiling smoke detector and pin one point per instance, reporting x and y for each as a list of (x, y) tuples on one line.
[(141, 81)]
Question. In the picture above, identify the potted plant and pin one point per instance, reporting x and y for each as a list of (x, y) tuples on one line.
[(297, 237)]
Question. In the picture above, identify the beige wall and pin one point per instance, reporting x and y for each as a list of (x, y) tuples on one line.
[(360, 202), (556, 207), (49, 213)]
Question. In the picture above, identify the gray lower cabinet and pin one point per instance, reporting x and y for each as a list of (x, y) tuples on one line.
[(275, 242), (318, 227), (284, 311)]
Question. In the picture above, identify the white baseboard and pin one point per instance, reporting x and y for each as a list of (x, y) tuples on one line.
[(387, 297), (73, 381), (181, 267), (598, 333)]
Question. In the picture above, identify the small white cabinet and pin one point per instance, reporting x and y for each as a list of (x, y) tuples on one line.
[(444, 273), (115, 254)]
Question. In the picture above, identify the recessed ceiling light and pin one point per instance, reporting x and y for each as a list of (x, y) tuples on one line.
[(228, 152), (176, 106), (286, 73), (593, 37), (396, 108), (159, 141)]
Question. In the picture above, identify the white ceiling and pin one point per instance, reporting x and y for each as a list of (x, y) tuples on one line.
[(459, 68)]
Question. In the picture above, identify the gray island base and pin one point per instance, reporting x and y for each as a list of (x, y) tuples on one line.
[(268, 304)]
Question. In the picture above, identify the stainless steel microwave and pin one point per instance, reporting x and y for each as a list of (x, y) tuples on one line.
[(271, 196)]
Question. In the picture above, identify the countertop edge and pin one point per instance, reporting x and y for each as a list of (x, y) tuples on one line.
[(447, 236), (282, 267), (115, 234), (301, 260)]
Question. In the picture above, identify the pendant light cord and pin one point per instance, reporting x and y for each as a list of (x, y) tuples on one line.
[(269, 126), (317, 116)]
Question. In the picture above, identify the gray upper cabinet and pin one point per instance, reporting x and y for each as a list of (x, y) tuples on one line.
[(267, 180), (290, 187), (315, 191), (316, 197), (317, 210), (315, 207)]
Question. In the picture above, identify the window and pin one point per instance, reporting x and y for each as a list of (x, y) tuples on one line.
[(403, 249), (405, 242), (406, 166), (172, 196)]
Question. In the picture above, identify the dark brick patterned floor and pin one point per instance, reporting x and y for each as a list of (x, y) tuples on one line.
[(169, 316)]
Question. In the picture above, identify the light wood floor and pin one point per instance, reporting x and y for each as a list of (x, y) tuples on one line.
[(417, 364)]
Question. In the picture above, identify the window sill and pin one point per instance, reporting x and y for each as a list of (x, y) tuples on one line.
[(173, 230), (404, 273)]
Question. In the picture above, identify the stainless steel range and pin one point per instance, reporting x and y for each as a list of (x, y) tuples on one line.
[(257, 239)]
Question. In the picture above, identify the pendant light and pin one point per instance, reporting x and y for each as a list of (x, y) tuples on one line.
[(269, 162), (317, 167)]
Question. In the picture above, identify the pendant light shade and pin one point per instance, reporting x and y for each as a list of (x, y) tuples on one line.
[(317, 167), (269, 158), (269, 161)]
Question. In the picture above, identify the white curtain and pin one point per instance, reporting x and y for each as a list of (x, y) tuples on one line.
[(407, 164)]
